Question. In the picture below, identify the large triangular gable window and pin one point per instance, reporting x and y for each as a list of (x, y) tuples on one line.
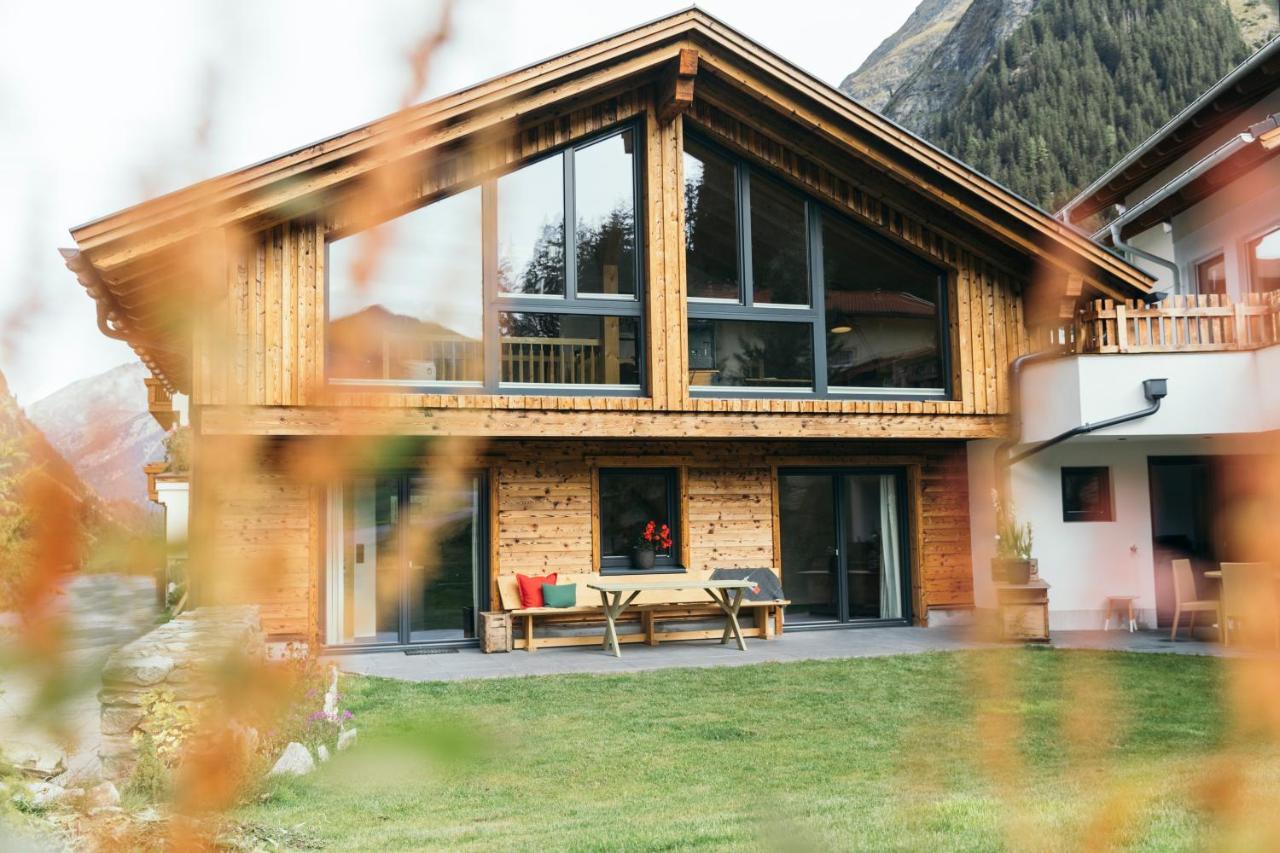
[(487, 290), (787, 297)]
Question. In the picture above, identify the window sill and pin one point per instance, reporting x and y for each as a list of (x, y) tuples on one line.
[(624, 571)]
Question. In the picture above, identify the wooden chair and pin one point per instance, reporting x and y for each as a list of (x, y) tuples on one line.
[(1249, 603), (1184, 590)]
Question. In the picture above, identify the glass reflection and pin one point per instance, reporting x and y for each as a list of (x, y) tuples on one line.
[(710, 224), (779, 261), (569, 349), (531, 228), (604, 204), (750, 354), (1264, 263), (406, 298), (882, 312)]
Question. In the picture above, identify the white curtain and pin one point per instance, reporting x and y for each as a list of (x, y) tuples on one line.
[(890, 569), (335, 597)]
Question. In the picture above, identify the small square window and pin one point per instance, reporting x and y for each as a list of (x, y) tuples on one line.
[(631, 498), (1086, 494)]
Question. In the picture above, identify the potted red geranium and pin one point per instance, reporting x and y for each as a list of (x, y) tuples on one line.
[(653, 539)]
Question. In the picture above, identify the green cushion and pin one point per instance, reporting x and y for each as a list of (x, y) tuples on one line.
[(559, 595)]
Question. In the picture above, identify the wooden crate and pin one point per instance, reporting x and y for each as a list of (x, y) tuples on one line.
[(495, 632)]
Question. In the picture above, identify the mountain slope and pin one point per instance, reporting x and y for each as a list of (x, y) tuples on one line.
[(23, 446), (1080, 83), (1043, 95), (1259, 20), (101, 425), (907, 56), (943, 78), (898, 56)]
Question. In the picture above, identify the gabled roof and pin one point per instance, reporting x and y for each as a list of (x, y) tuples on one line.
[(1220, 106), (127, 246)]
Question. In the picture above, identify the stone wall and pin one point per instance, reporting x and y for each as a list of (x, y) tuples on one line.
[(179, 657)]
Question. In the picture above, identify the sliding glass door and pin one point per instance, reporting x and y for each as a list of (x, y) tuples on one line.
[(843, 545), (405, 560)]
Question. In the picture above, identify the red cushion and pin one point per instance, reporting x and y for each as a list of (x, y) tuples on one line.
[(531, 589)]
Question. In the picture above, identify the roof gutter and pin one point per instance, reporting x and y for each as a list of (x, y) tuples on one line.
[(1210, 161)]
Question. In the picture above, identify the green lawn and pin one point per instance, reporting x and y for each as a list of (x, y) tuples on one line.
[(870, 754)]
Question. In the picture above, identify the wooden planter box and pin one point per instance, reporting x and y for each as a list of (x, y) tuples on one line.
[(495, 632), (1024, 611)]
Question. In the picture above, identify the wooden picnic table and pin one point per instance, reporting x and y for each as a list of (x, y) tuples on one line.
[(727, 594)]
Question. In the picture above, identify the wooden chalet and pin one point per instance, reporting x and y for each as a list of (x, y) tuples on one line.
[(666, 276)]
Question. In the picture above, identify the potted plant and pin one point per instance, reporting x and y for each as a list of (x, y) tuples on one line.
[(653, 538), (1012, 563)]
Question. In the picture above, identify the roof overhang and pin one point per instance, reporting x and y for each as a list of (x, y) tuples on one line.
[(1260, 145), (144, 246)]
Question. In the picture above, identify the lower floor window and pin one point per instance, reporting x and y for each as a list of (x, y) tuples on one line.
[(638, 518), (405, 559), (1086, 494), (842, 540)]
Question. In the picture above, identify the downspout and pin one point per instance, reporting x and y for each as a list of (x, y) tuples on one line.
[(1129, 249), (1154, 390), (1001, 459)]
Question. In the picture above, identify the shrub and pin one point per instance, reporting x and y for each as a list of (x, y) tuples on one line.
[(150, 779)]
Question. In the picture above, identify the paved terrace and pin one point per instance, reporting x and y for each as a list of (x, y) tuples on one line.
[(795, 646)]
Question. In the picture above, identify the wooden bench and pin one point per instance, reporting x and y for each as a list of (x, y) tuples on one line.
[(653, 608)]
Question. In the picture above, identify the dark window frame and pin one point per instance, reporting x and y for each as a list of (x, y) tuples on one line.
[(1200, 266), (745, 308), (1108, 510), (495, 302), (624, 564)]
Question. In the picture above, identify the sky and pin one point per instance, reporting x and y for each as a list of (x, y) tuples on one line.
[(103, 105)]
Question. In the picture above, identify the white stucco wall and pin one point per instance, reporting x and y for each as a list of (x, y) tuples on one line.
[(1083, 562), (174, 495), (1212, 393), (1224, 222)]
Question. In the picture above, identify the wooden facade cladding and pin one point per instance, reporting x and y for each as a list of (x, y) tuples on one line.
[(268, 529), (263, 342), (263, 536)]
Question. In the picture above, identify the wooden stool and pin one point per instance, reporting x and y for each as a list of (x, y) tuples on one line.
[(1118, 603)]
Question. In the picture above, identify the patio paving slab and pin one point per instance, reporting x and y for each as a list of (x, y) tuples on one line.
[(795, 646)]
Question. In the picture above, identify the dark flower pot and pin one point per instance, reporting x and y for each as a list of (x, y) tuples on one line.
[(644, 558), (1012, 570)]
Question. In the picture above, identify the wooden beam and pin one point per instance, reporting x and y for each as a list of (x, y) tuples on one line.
[(514, 423), (677, 85)]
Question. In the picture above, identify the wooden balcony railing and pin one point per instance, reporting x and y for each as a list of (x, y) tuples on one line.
[(1207, 323)]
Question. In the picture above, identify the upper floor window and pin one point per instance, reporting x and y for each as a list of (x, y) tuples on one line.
[(1211, 275), (788, 297), (1264, 262), (406, 299), (487, 289)]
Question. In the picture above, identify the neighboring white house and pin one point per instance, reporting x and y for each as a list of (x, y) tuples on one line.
[(1198, 206), (168, 487)]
